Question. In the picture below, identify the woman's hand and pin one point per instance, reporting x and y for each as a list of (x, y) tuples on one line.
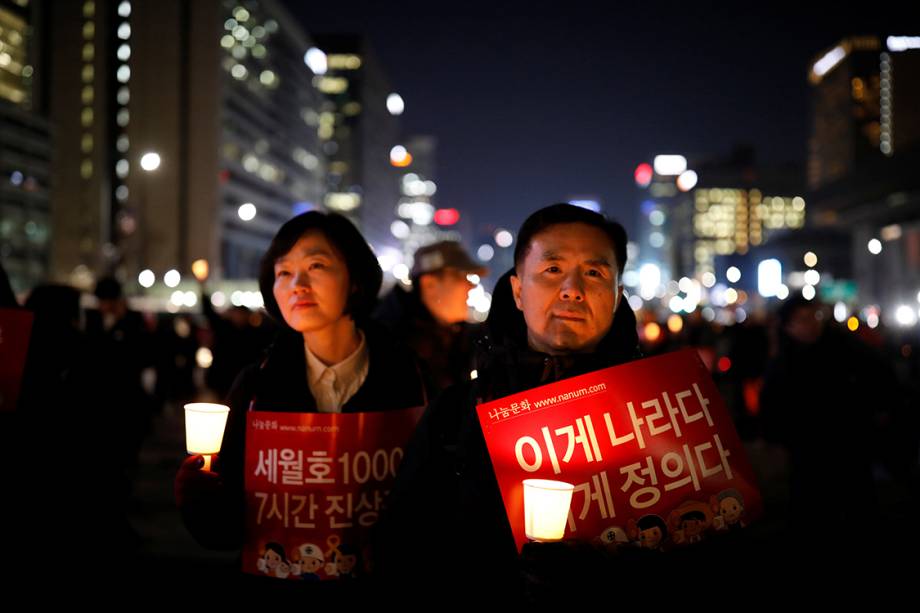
[(194, 485)]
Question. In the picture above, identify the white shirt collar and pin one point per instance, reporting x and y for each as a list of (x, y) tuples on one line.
[(332, 386)]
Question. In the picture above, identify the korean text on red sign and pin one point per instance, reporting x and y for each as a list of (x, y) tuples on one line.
[(315, 483), (652, 452)]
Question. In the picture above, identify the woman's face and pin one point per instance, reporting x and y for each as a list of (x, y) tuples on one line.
[(311, 283)]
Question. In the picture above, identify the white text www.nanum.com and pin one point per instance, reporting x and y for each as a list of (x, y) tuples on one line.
[(585, 391)]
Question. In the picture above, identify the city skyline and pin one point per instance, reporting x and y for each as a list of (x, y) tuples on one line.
[(260, 109), (541, 106)]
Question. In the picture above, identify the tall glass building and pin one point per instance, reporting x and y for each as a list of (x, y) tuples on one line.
[(186, 131), (25, 146)]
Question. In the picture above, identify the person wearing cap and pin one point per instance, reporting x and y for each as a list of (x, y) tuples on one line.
[(431, 318)]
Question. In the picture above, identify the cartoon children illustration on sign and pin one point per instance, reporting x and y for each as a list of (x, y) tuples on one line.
[(311, 560), (343, 559), (650, 531), (613, 539), (284, 570), (346, 561), (273, 560), (728, 507), (689, 521)]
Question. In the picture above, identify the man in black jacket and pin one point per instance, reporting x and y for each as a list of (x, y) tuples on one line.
[(558, 314)]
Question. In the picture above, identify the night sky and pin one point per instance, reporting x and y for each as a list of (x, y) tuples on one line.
[(538, 105)]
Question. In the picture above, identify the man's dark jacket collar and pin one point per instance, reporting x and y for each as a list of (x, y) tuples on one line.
[(507, 364)]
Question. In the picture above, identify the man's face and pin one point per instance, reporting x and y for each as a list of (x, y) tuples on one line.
[(568, 288), (445, 293), (112, 307), (804, 325)]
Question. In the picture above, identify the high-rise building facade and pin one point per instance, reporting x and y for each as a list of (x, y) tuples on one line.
[(731, 220), (661, 201), (187, 130), (865, 93), (358, 131), (271, 156), (733, 206), (25, 146), (864, 152)]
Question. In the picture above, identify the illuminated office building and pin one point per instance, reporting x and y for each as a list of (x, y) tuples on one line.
[(735, 205), (417, 204), (25, 146), (865, 92), (416, 220), (864, 152), (358, 133), (665, 184), (729, 221), (187, 130), (271, 155)]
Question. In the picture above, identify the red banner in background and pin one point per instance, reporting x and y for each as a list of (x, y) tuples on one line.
[(315, 484), (15, 329), (652, 452)]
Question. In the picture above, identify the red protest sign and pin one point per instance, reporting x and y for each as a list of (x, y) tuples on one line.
[(649, 446), (315, 484), (15, 329)]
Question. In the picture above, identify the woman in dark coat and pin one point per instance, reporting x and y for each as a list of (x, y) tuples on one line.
[(320, 280)]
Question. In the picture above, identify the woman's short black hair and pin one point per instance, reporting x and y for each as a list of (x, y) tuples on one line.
[(567, 213), (364, 272)]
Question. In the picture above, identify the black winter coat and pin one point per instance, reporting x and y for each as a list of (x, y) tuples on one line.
[(279, 384), (446, 525), (445, 352)]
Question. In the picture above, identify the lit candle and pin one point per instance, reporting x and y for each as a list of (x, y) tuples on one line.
[(546, 508), (204, 428)]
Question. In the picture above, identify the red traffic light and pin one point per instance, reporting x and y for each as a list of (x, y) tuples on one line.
[(446, 217), (643, 175)]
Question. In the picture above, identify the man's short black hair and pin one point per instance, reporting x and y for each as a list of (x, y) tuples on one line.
[(108, 288), (567, 213), (788, 308), (364, 272)]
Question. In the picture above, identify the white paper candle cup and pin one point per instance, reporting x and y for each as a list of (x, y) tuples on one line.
[(204, 427), (546, 508)]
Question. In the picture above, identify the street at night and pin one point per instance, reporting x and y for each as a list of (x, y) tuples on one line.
[(394, 305)]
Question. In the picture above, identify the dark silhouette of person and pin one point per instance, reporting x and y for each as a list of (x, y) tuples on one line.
[(821, 397)]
